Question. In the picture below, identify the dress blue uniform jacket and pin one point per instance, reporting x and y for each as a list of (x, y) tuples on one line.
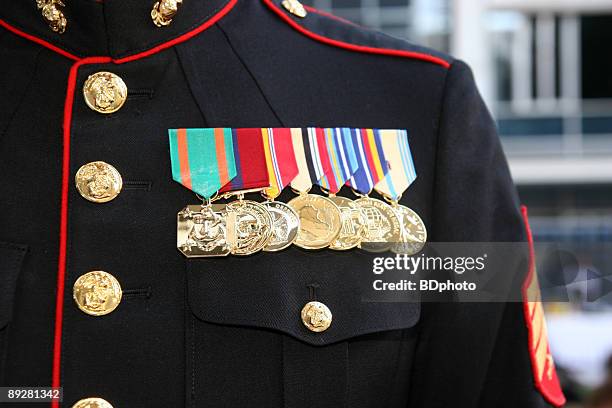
[(226, 332)]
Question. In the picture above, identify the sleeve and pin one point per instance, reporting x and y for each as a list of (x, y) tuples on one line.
[(478, 354)]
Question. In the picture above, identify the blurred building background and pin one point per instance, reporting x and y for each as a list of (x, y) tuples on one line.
[(545, 69)]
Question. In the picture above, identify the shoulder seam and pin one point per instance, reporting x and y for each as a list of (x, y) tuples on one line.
[(354, 47)]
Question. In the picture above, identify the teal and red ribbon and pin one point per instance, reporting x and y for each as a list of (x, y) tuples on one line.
[(202, 159)]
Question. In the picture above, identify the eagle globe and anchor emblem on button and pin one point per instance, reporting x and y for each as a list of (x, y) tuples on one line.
[(97, 293), (316, 316), (98, 182), (105, 92)]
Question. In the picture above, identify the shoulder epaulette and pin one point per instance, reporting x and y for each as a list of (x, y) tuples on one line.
[(335, 31)]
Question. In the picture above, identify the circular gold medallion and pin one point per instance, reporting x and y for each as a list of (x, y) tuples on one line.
[(98, 182), (383, 225), (320, 221), (316, 316), (414, 233), (97, 293), (92, 403), (353, 224), (105, 92), (249, 227), (285, 225)]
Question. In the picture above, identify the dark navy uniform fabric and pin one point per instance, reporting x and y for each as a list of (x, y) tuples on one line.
[(227, 332)]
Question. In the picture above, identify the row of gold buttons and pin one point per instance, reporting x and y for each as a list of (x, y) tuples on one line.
[(99, 293)]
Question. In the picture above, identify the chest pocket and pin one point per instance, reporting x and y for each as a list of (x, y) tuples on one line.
[(11, 259), (246, 332)]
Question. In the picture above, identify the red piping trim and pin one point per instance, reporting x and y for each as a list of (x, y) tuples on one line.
[(37, 40), (556, 398), (353, 47), (220, 14), (63, 236)]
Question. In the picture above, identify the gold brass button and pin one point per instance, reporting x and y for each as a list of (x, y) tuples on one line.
[(98, 182), (316, 316), (164, 11), (92, 403), (97, 293), (295, 7), (104, 92)]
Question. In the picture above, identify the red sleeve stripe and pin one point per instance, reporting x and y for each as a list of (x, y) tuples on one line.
[(545, 376)]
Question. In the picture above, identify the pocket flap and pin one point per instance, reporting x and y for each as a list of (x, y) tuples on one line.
[(11, 258), (269, 290)]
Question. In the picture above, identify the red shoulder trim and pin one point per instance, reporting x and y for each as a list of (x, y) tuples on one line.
[(354, 47), (543, 367)]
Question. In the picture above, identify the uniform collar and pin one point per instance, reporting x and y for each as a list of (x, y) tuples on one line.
[(114, 28)]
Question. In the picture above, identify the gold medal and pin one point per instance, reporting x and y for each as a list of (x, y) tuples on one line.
[(353, 224), (285, 225), (202, 231), (414, 233), (320, 221), (383, 227), (251, 227)]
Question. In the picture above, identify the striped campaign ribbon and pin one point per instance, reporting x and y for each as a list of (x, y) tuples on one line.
[(202, 159), (280, 159), (311, 156), (343, 159), (401, 167), (251, 166), (372, 164)]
